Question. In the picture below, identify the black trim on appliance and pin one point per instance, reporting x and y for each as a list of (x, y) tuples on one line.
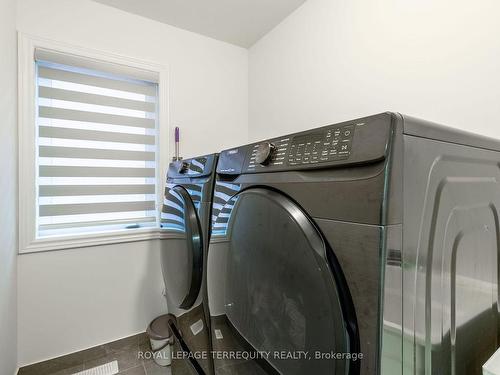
[(347, 306), (195, 246), (260, 360), (314, 234), (346, 302), (185, 348)]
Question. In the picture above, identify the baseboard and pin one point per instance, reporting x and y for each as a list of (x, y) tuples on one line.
[(67, 354), (78, 357)]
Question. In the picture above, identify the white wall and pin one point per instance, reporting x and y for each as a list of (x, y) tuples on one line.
[(329, 61), (8, 188), (337, 60), (74, 299)]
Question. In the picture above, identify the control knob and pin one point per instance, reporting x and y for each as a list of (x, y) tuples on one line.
[(182, 167), (264, 153)]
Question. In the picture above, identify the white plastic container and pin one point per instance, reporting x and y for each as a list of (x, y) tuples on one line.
[(160, 338), (162, 352), (492, 365)]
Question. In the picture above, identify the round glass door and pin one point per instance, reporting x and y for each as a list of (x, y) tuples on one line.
[(281, 295), (182, 257)]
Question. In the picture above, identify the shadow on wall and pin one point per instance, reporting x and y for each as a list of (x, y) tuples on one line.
[(151, 288)]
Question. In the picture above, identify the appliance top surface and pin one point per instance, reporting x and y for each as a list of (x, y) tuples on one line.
[(430, 130), (349, 143)]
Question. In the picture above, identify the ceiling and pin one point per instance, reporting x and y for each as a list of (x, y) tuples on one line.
[(240, 22)]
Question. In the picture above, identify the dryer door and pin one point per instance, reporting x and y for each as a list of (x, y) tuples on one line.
[(285, 295), (182, 258)]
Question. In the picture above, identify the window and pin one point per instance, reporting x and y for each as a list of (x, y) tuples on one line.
[(96, 161)]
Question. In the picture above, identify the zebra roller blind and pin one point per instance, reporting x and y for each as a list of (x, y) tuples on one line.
[(96, 146)]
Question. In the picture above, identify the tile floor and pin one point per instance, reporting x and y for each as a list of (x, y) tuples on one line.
[(125, 352)]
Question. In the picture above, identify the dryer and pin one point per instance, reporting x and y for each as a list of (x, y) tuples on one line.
[(364, 247), (185, 223)]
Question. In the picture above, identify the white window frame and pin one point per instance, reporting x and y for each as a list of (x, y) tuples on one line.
[(28, 242)]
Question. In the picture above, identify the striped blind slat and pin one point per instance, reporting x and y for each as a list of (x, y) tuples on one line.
[(90, 80), (104, 100), (92, 135), (97, 148), (58, 171), (73, 190), (89, 153), (94, 117), (94, 208)]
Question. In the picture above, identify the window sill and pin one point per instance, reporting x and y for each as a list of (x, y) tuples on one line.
[(90, 240)]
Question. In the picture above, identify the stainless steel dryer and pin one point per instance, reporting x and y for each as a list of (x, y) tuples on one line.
[(185, 221), (364, 247)]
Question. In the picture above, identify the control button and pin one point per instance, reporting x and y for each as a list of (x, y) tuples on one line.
[(347, 132), (344, 147), (264, 153)]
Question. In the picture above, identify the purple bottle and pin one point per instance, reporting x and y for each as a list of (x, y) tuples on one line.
[(177, 133)]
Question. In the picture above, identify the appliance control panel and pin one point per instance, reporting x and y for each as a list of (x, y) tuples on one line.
[(275, 156), (331, 144), (191, 168), (352, 142)]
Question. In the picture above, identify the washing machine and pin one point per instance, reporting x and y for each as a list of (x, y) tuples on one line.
[(364, 247), (186, 224)]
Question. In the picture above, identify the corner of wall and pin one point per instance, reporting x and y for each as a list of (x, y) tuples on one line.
[(8, 189)]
